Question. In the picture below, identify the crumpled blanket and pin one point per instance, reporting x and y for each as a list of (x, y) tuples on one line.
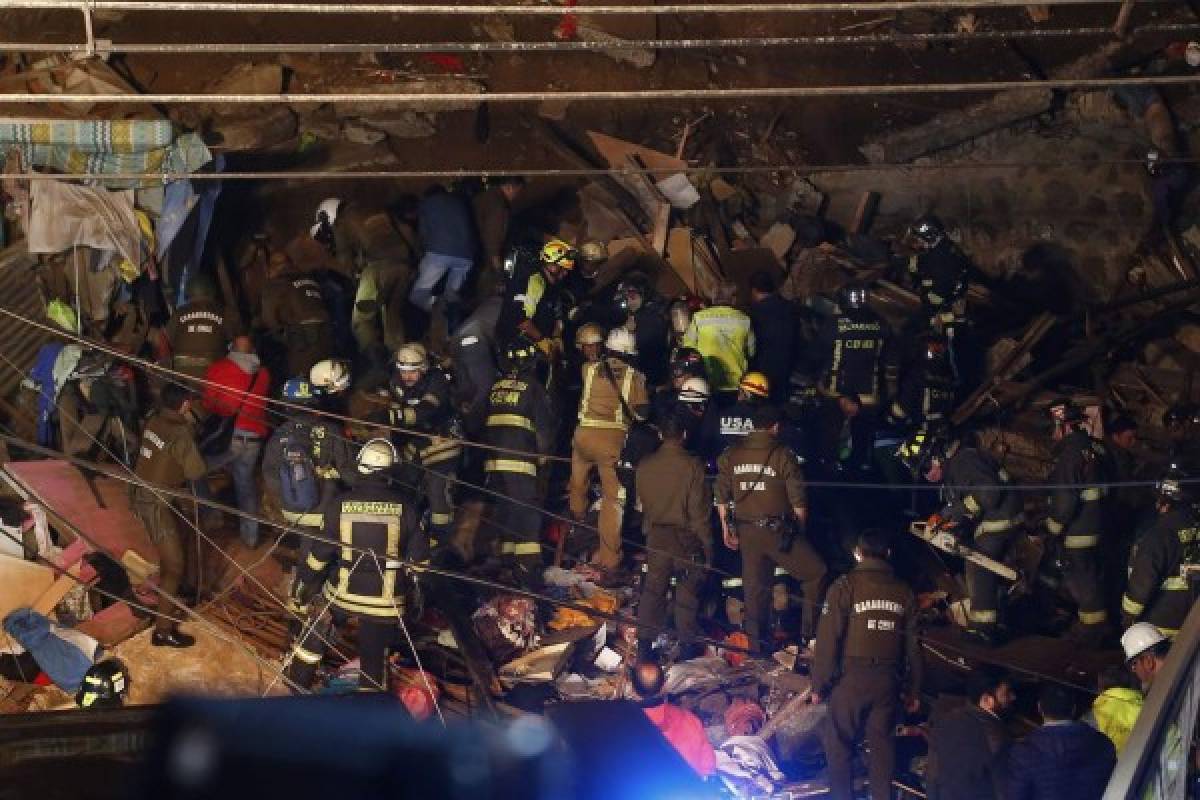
[(747, 768), (507, 625), (697, 673)]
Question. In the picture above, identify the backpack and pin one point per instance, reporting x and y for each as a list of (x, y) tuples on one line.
[(300, 489)]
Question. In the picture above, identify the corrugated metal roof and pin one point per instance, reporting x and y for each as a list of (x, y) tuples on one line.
[(19, 293)]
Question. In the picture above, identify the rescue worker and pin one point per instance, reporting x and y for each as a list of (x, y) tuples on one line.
[(421, 403), (367, 529), (168, 459), (725, 338), (520, 418), (735, 422), (688, 400), (925, 397), (473, 351), (763, 510), (1160, 569), (199, 331), (675, 517), (981, 510), (1182, 424), (313, 448), (589, 340), (938, 272), (867, 657), (1077, 515), (646, 319), (680, 315), (294, 311), (613, 393), (532, 304), (852, 343)]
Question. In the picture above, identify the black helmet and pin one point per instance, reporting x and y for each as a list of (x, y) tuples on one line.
[(1180, 415), (1176, 486), (687, 362), (104, 686), (854, 296), (928, 230), (920, 450), (1064, 412), (519, 355)]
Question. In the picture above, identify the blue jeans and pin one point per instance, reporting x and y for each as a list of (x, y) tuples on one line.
[(431, 269), (242, 462)]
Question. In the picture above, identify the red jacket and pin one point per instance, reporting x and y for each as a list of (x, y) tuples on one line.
[(225, 401), (685, 732)]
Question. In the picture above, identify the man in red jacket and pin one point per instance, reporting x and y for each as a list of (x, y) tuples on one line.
[(238, 384)]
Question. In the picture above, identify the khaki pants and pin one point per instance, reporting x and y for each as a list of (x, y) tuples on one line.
[(672, 551), (865, 698), (760, 548), (163, 527), (599, 448)]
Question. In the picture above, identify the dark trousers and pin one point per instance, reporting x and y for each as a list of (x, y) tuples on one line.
[(163, 526), (307, 343), (1083, 580), (983, 584), (671, 552), (760, 548), (375, 635), (519, 524), (436, 479), (864, 700)]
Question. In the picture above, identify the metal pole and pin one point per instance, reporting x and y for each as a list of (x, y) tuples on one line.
[(420, 99), (539, 10), (582, 46)]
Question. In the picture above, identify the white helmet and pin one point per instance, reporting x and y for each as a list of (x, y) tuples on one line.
[(326, 213), (694, 391), (589, 333), (620, 340), (1138, 638), (330, 376), (412, 357), (375, 455)]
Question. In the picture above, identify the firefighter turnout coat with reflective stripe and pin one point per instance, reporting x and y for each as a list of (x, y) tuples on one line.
[(1077, 507), (854, 340), (600, 406), (426, 407), (725, 339), (1158, 592), (869, 619), (366, 528), (925, 395), (520, 416), (976, 491)]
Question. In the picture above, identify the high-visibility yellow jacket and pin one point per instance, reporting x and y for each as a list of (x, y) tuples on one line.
[(1116, 710), (726, 341)]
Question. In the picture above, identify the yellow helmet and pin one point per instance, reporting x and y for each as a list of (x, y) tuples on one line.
[(589, 333), (755, 384), (558, 252)]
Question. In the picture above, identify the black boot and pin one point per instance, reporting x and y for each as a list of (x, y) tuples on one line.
[(172, 638)]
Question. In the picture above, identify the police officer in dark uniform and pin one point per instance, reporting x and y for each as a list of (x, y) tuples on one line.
[(980, 508), (366, 533), (421, 403), (199, 331), (1159, 590), (167, 458), (927, 387), (762, 507), (853, 342), (520, 417), (294, 310), (676, 503), (1078, 511), (867, 655)]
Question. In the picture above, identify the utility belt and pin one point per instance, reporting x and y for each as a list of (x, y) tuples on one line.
[(869, 662), (786, 527)]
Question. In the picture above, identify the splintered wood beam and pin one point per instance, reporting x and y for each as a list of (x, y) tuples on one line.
[(864, 215), (1122, 24), (1005, 369)]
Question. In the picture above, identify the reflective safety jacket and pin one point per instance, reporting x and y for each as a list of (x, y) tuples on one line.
[(427, 409), (1077, 509), (367, 529), (519, 417), (1158, 591), (925, 395), (725, 339), (604, 384), (854, 343), (976, 492), (529, 297)]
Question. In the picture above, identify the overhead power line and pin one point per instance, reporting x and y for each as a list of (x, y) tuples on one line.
[(755, 42), (419, 99), (466, 9)]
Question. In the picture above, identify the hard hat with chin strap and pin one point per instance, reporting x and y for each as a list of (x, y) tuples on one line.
[(694, 391), (412, 358), (620, 341), (589, 333), (559, 253), (330, 376), (755, 384), (1138, 638), (376, 455)]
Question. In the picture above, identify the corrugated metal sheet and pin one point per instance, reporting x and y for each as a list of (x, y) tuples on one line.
[(19, 293)]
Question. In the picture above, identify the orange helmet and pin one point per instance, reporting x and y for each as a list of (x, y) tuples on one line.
[(755, 384)]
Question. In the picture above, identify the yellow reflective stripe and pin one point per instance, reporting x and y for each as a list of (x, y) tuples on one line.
[(328, 473), (1170, 633), (307, 656), (409, 416), (971, 504), (526, 548), (983, 616), (780, 571), (626, 387), (1131, 606), (443, 446), (441, 519), (731, 583), (315, 564), (1175, 583), (1090, 495), (599, 423), (1081, 541), (511, 420), (898, 411), (996, 525), (510, 465), (506, 547), (534, 290), (372, 606), (1093, 617), (1054, 526), (589, 372), (309, 519)]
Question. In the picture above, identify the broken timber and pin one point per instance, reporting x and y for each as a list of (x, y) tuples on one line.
[(1004, 371)]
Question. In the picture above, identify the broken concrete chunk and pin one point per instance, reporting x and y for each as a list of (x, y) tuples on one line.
[(805, 198), (405, 125), (779, 239), (249, 79), (722, 190), (254, 129), (642, 59), (359, 133)]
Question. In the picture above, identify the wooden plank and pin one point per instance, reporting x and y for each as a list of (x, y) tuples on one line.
[(22, 583), (1121, 26), (57, 590), (864, 215), (1037, 329), (565, 147), (658, 208), (615, 151)]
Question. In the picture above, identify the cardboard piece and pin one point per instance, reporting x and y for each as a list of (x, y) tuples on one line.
[(615, 151)]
